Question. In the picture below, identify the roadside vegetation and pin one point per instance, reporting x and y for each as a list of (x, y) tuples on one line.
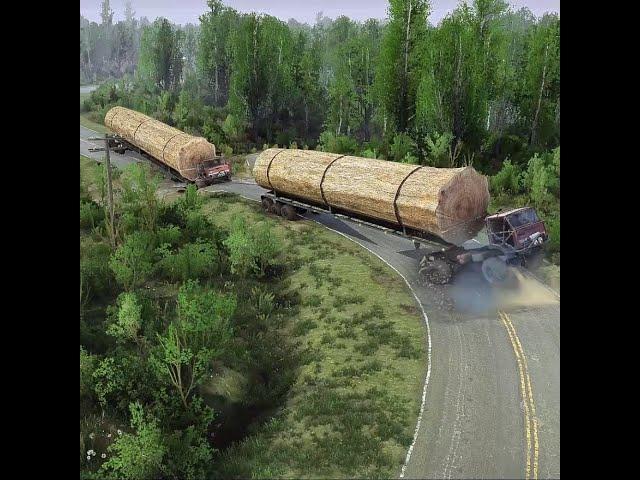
[(216, 342)]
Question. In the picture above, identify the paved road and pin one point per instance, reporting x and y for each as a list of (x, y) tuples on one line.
[(493, 396), (117, 159)]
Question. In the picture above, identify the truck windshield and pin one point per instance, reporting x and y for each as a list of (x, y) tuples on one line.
[(523, 217)]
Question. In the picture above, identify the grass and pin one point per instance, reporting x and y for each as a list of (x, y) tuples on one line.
[(87, 122), (356, 394)]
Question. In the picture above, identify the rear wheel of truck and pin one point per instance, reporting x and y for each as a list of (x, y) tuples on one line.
[(267, 204), (497, 272), (436, 272), (201, 183), (288, 212)]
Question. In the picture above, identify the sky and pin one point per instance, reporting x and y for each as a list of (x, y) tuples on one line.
[(188, 11)]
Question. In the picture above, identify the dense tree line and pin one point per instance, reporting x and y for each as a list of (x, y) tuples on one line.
[(482, 87)]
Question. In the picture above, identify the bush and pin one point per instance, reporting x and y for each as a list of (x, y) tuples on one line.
[(507, 180), (438, 149), (193, 260), (553, 229), (329, 142), (542, 178), (91, 215), (369, 153), (87, 367), (95, 275), (251, 251), (132, 262), (402, 146), (137, 456)]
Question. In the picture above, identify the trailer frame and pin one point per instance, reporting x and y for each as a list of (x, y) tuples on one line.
[(437, 267)]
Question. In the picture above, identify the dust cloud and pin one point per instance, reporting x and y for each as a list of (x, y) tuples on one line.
[(471, 294)]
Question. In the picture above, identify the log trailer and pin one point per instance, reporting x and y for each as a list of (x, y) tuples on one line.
[(186, 157), (516, 237), (441, 207), (206, 172)]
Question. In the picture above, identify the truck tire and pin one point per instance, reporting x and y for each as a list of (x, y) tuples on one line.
[(288, 212), (497, 272), (201, 183), (276, 208), (267, 203), (437, 272)]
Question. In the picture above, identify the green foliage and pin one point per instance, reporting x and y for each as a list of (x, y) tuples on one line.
[(132, 262), (542, 178), (507, 180), (199, 335), (191, 261), (91, 215), (87, 367), (337, 143), (139, 455), (129, 319), (95, 274), (401, 147), (189, 456), (401, 54), (439, 149), (139, 203), (190, 201), (160, 55), (252, 250)]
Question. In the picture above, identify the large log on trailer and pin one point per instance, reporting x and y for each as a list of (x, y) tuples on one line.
[(447, 202), (176, 149)]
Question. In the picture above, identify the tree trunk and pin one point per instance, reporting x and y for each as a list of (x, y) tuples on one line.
[(404, 83), (534, 125)]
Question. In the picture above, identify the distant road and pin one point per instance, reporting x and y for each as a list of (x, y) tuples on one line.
[(87, 88), (492, 405)]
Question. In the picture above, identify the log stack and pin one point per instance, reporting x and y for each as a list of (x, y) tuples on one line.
[(176, 149), (447, 202)]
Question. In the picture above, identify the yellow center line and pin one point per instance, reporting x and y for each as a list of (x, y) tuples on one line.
[(531, 422)]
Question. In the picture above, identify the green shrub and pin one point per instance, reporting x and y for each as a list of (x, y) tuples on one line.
[(329, 142), (91, 214), (87, 366), (552, 224), (139, 455), (252, 250), (438, 147), (402, 146), (132, 262), (507, 180), (193, 260), (95, 275)]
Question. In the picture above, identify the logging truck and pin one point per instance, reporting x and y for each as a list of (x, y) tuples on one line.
[(445, 208), (183, 156)]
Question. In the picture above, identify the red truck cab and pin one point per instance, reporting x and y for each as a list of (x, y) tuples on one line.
[(520, 229)]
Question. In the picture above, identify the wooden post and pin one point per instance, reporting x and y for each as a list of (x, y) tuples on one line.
[(110, 192)]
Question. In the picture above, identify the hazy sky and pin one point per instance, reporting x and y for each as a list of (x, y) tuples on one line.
[(185, 11)]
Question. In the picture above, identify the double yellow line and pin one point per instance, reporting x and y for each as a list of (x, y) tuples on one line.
[(530, 420)]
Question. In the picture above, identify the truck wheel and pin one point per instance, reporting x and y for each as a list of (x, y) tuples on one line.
[(267, 203), (288, 212), (534, 260), (497, 272), (201, 183), (436, 272), (276, 208)]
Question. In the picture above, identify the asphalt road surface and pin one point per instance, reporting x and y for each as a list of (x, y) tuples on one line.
[(492, 406)]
